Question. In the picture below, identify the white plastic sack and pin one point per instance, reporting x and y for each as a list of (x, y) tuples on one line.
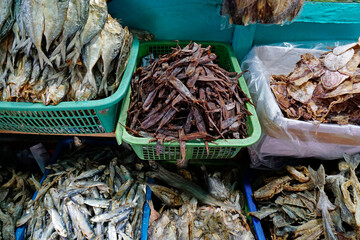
[(287, 137)]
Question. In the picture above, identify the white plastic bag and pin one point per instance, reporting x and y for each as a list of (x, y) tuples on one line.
[(287, 137)]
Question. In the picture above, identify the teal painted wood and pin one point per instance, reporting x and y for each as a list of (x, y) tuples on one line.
[(243, 40), (326, 12), (175, 19), (317, 21), (201, 20), (305, 32)]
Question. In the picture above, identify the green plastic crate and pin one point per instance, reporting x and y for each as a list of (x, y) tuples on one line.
[(83, 117), (195, 149)]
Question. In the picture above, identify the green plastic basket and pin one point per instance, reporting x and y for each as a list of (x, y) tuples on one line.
[(195, 149), (86, 117)]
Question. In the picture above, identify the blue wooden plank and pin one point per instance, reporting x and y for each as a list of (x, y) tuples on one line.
[(329, 12), (175, 19)]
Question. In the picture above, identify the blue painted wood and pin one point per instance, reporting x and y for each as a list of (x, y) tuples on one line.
[(175, 19), (326, 12)]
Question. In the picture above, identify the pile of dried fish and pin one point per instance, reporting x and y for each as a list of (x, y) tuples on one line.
[(53, 51), (312, 205), (184, 95), (221, 218), (15, 191), (84, 198), (325, 89), (265, 11)]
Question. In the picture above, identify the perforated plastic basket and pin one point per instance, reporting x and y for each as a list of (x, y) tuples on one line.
[(194, 149), (87, 117)]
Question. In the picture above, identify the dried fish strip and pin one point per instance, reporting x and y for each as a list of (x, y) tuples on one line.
[(186, 90)]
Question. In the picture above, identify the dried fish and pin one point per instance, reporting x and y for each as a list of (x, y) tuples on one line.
[(170, 93), (53, 51), (195, 220), (321, 89), (15, 192), (264, 11), (329, 209), (75, 200)]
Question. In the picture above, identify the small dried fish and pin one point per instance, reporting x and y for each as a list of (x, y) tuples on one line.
[(16, 191), (75, 200), (195, 220)]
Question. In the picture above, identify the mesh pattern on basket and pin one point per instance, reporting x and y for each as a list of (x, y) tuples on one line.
[(52, 122)]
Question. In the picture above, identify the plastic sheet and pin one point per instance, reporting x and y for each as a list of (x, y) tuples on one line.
[(287, 137)]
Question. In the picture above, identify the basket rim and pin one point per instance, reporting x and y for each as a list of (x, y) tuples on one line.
[(122, 134), (83, 105)]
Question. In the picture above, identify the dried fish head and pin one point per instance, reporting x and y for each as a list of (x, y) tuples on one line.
[(142, 35), (218, 189), (55, 94), (167, 195)]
